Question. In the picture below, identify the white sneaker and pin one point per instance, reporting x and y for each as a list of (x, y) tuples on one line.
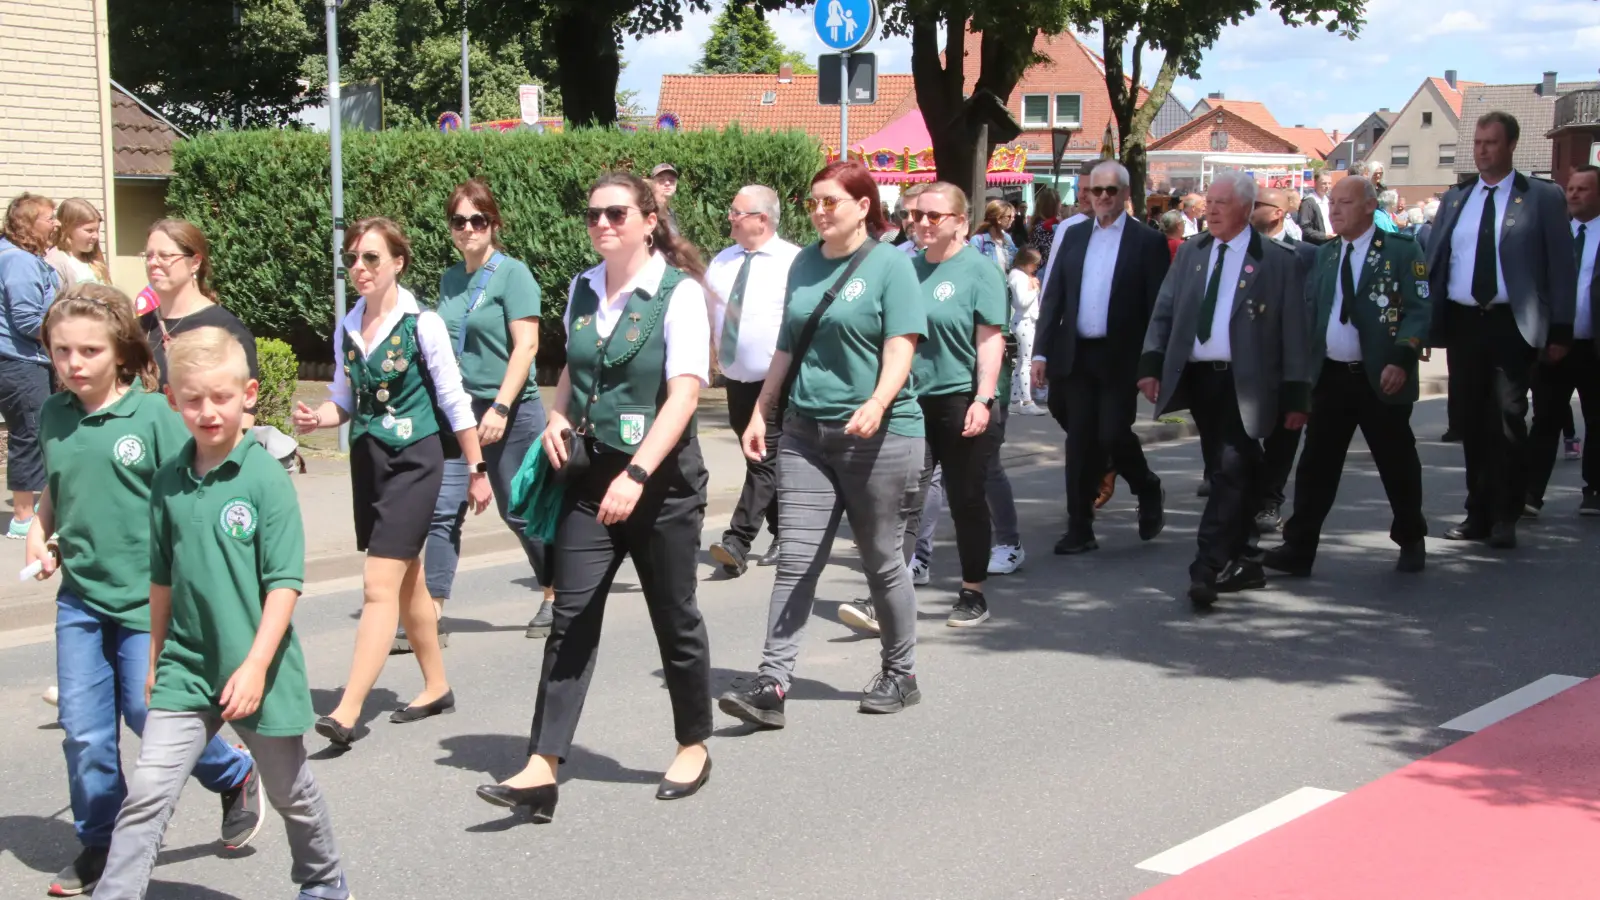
[(921, 574), (1034, 409), (51, 696), (1005, 559)]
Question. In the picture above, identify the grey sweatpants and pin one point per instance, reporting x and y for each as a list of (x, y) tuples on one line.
[(171, 745), (823, 475)]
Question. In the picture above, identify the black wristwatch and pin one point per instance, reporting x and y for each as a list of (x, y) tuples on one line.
[(988, 402), (638, 474), (501, 408), (481, 467)]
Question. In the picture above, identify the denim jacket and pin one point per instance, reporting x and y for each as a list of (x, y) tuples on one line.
[(28, 285), (1001, 253)]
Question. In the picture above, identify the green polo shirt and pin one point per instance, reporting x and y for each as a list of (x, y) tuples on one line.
[(961, 293), (840, 368), (511, 294), (222, 542), (99, 468)]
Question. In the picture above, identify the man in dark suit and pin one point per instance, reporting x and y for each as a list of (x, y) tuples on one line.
[(1228, 341), (1313, 218), (1504, 286), (1554, 382), (1092, 322), (1370, 309)]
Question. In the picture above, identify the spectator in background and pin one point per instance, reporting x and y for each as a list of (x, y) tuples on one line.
[(77, 255), (664, 181), (1024, 287), (1430, 211), (28, 286), (1414, 221), (1291, 208), (1315, 226), (1193, 207), (1172, 229), (1387, 202), (1018, 229), (991, 237), (1042, 227)]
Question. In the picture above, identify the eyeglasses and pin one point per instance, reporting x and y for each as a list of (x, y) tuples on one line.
[(478, 221), (616, 215), (741, 214), (1105, 190), (934, 218), (826, 204), (368, 259), (165, 259)]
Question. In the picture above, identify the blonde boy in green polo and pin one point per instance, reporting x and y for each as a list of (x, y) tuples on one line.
[(227, 559)]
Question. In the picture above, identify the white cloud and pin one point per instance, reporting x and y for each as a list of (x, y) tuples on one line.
[(1458, 21)]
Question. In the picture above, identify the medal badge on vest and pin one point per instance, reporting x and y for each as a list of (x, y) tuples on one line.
[(377, 378)]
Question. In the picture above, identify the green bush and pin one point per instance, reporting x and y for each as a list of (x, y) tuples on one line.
[(262, 198), (278, 369)]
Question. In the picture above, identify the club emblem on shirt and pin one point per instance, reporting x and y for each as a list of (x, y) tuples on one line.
[(129, 449), (944, 291), (855, 288), (632, 429), (239, 519)]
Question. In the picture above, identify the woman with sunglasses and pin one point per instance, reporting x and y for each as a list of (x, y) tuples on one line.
[(397, 384), (491, 303), (993, 237), (852, 439), (622, 437)]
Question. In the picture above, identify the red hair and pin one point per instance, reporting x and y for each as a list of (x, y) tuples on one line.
[(853, 176)]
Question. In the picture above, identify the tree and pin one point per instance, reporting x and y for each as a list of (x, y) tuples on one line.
[(1182, 32), (741, 42)]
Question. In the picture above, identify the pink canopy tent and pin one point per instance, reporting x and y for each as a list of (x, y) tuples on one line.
[(902, 153)]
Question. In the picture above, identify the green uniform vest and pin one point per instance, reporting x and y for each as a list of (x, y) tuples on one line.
[(619, 382), (393, 391)]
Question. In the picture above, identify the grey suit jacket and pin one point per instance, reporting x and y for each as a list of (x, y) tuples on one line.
[(1268, 334), (1535, 254)]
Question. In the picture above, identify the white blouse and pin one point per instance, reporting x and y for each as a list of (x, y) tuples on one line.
[(434, 339), (685, 327)]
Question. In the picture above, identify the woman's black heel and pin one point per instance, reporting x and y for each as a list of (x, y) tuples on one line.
[(537, 804)]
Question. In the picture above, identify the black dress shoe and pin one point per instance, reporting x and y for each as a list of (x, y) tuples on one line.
[(1152, 513), (770, 558), (1269, 520), (1241, 575), (1205, 488), (1284, 560), (1450, 436), (674, 790), (329, 727), (1468, 531), (1413, 557), (729, 557), (445, 704), (1070, 544), (537, 804), (1202, 592), (1503, 536)]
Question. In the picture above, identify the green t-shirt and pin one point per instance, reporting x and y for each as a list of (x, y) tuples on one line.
[(222, 543), (961, 293), (99, 469), (511, 294), (841, 366)]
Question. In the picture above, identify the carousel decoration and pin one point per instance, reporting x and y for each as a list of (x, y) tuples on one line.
[(1007, 165)]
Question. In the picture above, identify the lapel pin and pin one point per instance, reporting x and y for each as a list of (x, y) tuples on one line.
[(1249, 270), (1241, 282), (1516, 200)]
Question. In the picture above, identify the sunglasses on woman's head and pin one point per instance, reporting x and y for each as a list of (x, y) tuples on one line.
[(616, 215), (368, 259), (826, 204), (934, 218), (478, 221)]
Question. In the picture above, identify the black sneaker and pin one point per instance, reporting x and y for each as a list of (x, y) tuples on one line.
[(1269, 519), (82, 875), (540, 625), (241, 811), (890, 693), (1590, 505), (758, 701), (970, 609), (860, 615)]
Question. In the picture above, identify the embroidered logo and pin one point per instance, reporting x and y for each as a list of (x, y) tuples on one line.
[(129, 449), (632, 428), (239, 519), (944, 291), (403, 428), (854, 289)]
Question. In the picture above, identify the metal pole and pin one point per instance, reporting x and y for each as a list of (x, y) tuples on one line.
[(335, 140), (844, 106), (466, 89)]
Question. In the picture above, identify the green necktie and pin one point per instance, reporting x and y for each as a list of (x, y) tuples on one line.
[(1347, 284), (1208, 309), (730, 318)]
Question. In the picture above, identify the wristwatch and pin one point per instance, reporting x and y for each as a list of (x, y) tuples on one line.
[(501, 408), (988, 402), (481, 467), (638, 474)]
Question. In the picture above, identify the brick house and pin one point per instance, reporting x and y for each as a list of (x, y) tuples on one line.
[(1223, 138)]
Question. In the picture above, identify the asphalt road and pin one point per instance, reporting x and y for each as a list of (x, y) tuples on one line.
[(1094, 722)]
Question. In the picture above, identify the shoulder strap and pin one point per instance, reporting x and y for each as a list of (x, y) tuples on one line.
[(802, 343), (480, 284)]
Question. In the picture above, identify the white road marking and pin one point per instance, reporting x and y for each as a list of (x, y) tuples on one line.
[(1247, 827), (1512, 703)]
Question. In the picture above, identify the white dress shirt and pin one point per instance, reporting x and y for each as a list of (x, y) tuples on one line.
[(1094, 288), (1055, 244), (1344, 342), (1464, 241), (910, 249), (684, 325), (1583, 325), (761, 312), (1321, 203), (1218, 349), (1190, 227), (433, 338), (1292, 228)]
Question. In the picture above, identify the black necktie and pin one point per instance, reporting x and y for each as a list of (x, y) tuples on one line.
[(1485, 263), (1577, 247), (1208, 306), (1347, 285)]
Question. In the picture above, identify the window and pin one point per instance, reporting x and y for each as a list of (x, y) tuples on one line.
[(1377, 133), (1036, 110), (1219, 140), (1069, 110), (1361, 147), (1427, 120), (769, 98), (1447, 154), (1341, 165), (1399, 156)]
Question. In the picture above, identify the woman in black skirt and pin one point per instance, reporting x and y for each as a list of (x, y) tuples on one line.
[(397, 384), (622, 433)]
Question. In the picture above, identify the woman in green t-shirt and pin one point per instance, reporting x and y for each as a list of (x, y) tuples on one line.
[(852, 440)]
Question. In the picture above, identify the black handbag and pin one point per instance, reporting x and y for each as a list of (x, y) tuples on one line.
[(802, 343)]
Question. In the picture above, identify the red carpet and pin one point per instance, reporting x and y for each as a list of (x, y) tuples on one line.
[(1511, 813)]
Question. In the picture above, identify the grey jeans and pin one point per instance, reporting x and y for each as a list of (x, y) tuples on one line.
[(996, 489), (171, 745), (824, 475)]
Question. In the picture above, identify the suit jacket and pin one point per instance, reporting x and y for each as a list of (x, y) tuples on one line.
[(1535, 254), (1424, 233), (1314, 224), (1267, 332), (1391, 311), (1594, 290), (1142, 261)]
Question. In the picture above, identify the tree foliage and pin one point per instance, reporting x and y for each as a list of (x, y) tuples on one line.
[(741, 42)]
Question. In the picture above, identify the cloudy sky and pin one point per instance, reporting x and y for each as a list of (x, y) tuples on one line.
[(1305, 75)]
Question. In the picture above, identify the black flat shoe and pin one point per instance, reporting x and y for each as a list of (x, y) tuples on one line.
[(1468, 531), (1285, 560), (1202, 594), (536, 804), (329, 727), (673, 790), (1503, 536), (1071, 545), (1413, 558), (439, 707)]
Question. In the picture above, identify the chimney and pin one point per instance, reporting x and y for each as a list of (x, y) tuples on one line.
[(1450, 78), (1299, 126), (1383, 109), (1216, 95), (1548, 87), (1337, 136), (785, 74)]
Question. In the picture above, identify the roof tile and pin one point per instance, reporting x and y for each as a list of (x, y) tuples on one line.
[(715, 101), (1535, 114), (141, 144)]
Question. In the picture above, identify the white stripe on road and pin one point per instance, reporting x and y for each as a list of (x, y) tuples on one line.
[(1512, 703), (1247, 827)]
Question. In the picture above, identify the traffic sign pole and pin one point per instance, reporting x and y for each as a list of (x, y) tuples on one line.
[(844, 105)]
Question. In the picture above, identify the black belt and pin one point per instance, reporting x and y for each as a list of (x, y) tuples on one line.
[(1357, 366), (1215, 365)]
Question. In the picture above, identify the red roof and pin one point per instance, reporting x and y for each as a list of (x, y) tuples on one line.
[(1316, 143), (1244, 136), (1453, 95), (1251, 111), (715, 101), (1313, 142)]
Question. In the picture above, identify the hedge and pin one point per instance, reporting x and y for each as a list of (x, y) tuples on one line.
[(278, 367), (262, 198)]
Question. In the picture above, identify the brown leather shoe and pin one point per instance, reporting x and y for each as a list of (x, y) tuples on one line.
[(1108, 487)]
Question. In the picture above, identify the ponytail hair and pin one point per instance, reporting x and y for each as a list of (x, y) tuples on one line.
[(679, 253)]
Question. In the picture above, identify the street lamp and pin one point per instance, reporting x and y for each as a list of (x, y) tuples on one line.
[(336, 149)]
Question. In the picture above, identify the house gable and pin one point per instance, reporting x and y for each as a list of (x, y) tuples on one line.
[(1242, 136)]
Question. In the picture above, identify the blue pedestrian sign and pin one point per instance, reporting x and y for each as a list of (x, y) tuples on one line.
[(845, 25)]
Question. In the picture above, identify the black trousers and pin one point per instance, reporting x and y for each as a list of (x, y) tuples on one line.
[(1097, 411), (1343, 401), (758, 500), (1277, 464), (966, 471), (1228, 523), (1553, 384), (1490, 365), (662, 535)]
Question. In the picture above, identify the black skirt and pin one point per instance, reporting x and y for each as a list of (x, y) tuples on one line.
[(394, 493)]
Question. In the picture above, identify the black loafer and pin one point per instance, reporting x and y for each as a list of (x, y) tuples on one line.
[(329, 727), (673, 790), (1413, 557), (1284, 560), (1152, 513), (1071, 545), (439, 707), (770, 558), (1503, 536), (1468, 531), (1202, 594), (728, 556)]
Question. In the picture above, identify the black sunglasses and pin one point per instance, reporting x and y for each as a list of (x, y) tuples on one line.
[(368, 259), (616, 215), (478, 221), (1104, 190)]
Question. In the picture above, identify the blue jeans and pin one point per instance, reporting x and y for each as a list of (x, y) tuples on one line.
[(504, 457), (100, 669)]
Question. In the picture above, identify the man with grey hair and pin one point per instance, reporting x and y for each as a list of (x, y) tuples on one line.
[(1193, 207), (1384, 217), (1228, 340), (745, 287)]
